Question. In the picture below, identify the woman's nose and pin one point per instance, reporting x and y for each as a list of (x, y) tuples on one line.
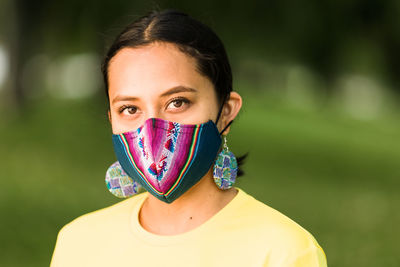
[(152, 112)]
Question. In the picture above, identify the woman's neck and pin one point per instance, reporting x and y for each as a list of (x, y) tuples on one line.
[(187, 212)]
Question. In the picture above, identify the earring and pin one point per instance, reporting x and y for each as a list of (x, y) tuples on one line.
[(119, 183), (225, 168)]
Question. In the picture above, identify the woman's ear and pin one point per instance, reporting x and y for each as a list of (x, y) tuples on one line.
[(230, 110), (109, 116)]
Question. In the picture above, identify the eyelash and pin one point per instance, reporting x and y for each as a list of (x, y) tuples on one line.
[(124, 107), (184, 100)]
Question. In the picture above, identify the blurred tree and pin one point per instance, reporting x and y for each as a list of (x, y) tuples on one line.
[(331, 37)]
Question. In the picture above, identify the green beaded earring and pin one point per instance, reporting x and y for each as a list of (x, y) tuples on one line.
[(119, 183), (225, 168)]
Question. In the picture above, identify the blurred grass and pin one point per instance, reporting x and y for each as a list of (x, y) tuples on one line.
[(335, 176)]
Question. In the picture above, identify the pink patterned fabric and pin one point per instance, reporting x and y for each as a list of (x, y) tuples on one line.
[(155, 145)]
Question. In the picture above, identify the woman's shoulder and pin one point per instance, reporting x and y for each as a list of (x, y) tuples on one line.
[(270, 224), (93, 230), (109, 216), (282, 240)]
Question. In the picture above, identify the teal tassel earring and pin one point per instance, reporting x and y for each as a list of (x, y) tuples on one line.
[(225, 168), (119, 183)]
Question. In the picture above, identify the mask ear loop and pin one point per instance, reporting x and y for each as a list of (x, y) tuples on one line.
[(219, 115), (226, 127)]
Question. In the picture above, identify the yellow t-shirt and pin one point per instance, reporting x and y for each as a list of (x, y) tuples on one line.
[(245, 232)]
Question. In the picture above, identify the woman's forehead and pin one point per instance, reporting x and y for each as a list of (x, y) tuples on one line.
[(159, 56), (153, 69)]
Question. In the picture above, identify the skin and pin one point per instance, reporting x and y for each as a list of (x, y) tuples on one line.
[(159, 81)]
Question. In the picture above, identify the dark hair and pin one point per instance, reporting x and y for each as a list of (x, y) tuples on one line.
[(190, 36)]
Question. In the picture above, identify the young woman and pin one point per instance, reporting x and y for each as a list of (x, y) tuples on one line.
[(169, 86)]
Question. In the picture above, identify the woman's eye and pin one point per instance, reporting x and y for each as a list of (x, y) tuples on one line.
[(128, 110), (177, 103)]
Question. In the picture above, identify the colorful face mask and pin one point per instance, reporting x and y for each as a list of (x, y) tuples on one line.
[(167, 158)]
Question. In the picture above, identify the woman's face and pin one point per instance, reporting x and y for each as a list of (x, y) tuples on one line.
[(158, 81)]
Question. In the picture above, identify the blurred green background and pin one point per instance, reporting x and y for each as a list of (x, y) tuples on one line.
[(320, 82)]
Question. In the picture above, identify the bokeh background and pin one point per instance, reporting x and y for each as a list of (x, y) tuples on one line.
[(320, 82)]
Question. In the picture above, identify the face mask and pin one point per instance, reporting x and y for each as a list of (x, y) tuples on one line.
[(168, 158)]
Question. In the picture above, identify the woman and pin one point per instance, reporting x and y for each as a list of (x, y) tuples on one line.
[(169, 86)]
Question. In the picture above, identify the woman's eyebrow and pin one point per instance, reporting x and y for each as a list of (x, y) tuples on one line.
[(178, 89), (171, 91), (123, 98)]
